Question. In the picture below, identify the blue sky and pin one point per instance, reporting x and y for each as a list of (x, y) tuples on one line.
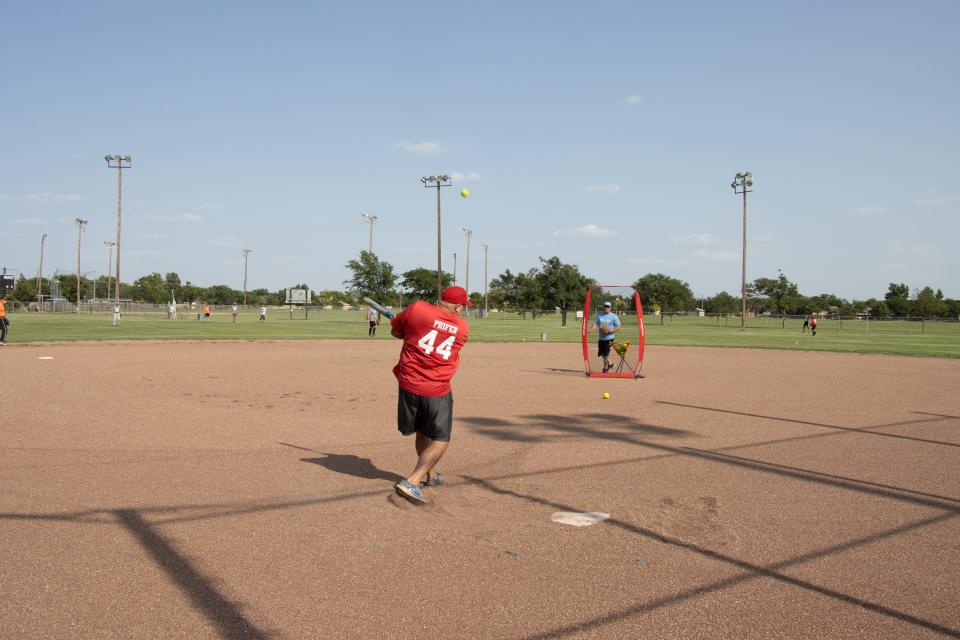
[(604, 133)]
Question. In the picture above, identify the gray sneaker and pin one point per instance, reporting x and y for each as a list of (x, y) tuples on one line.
[(410, 491)]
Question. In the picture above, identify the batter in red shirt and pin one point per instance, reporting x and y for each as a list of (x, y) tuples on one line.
[(432, 338)]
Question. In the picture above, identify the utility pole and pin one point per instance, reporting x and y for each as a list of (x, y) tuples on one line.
[(246, 253), (454, 267), (43, 240), (81, 223), (741, 184), (371, 219), (118, 163), (486, 292), (110, 245), (466, 277), (430, 182)]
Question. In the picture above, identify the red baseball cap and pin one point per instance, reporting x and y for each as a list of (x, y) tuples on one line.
[(456, 295)]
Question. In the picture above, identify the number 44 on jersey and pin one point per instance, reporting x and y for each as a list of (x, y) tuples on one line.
[(427, 344)]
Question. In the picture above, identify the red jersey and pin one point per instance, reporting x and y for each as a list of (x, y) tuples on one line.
[(432, 339)]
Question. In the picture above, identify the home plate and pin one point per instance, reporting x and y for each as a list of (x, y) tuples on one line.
[(44, 357), (575, 519)]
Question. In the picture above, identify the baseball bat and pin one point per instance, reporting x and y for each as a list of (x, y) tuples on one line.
[(378, 307)]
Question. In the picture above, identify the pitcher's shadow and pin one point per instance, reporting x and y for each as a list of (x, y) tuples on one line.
[(353, 466)]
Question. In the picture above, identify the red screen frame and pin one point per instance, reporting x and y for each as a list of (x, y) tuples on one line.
[(585, 330)]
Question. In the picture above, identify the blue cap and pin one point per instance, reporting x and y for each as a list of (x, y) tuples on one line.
[(607, 304)]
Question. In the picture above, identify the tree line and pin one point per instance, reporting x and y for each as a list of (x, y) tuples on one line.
[(554, 284), (551, 285)]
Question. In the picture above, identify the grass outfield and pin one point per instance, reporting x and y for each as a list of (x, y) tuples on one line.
[(940, 339)]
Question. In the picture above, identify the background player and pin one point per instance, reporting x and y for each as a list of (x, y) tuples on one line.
[(373, 317), (4, 323), (432, 338)]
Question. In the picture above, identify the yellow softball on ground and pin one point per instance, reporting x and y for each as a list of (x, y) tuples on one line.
[(464, 192), (606, 396)]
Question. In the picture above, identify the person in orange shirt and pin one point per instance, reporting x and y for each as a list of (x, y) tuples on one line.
[(206, 310), (4, 323)]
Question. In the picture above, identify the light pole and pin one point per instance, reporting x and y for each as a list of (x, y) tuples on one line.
[(430, 182), (43, 241), (466, 277), (486, 300), (741, 184), (110, 245), (371, 219), (246, 253), (118, 163), (454, 267), (81, 223)]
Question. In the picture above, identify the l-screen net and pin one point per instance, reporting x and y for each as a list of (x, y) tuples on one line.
[(617, 331)]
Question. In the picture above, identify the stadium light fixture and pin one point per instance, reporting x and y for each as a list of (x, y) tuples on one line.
[(371, 220), (435, 182), (741, 185), (118, 163)]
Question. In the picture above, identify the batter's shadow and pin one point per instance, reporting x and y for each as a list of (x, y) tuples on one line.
[(353, 466)]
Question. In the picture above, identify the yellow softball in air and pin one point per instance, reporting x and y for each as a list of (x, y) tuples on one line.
[(606, 396), (464, 192)]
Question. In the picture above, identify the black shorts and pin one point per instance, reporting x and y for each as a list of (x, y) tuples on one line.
[(373, 323), (603, 348), (433, 417)]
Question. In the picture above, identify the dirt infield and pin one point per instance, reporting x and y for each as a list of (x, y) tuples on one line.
[(243, 490)]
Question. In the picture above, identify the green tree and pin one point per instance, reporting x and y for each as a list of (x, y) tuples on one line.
[(897, 298), (671, 294), (371, 277), (783, 295), (173, 283), (421, 283), (68, 285), (104, 288), (529, 294), (151, 288), (951, 308), (561, 285), (222, 294), (824, 302), (876, 308), (723, 302), (189, 292), (25, 290), (519, 292), (503, 291), (927, 305), (260, 296)]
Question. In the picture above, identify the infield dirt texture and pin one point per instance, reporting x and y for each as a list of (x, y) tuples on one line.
[(243, 490)]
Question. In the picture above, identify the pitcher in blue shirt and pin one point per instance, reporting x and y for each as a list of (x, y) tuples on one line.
[(608, 323)]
